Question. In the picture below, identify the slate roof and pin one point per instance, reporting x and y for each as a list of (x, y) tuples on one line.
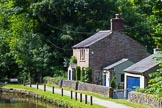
[(93, 39), (115, 64), (144, 65)]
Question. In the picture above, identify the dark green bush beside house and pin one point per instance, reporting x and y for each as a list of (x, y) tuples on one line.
[(73, 59), (53, 80), (86, 74), (78, 73)]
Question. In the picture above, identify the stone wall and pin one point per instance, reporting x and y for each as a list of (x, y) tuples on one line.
[(106, 91), (145, 99), (69, 83), (18, 91), (103, 90)]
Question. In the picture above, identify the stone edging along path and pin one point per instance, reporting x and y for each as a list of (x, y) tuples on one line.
[(106, 103)]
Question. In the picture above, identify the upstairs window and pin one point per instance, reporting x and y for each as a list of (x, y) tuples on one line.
[(82, 54)]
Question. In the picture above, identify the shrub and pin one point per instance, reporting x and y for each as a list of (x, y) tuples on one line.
[(155, 82), (73, 59), (82, 74), (86, 74), (78, 73), (113, 84), (53, 80)]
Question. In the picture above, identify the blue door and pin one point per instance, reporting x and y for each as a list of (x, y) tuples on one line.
[(104, 80), (132, 82), (70, 75)]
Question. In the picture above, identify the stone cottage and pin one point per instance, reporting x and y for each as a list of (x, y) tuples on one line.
[(107, 47)]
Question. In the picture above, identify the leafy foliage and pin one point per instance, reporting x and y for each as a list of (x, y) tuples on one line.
[(73, 59), (113, 83), (86, 74), (37, 35), (155, 82), (51, 80), (78, 73)]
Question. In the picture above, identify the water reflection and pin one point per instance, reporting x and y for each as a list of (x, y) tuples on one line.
[(18, 101)]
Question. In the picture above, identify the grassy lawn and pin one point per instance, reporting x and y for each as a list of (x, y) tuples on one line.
[(56, 97)]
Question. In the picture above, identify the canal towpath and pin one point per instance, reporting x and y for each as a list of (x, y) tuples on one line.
[(102, 102)]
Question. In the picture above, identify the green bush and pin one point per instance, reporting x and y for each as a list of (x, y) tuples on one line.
[(86, 75), (82, 74), (53, 80), (57, 72), (78, 73), (113, 84), (138, 89), (73, 59)]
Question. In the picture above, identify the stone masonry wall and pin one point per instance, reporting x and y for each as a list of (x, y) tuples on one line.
[(69, 83), (106, 91), (145, 99)]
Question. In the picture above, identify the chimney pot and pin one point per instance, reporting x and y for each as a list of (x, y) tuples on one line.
[(116, 16)]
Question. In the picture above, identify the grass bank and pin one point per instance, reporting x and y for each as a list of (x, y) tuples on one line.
[(60, 100)]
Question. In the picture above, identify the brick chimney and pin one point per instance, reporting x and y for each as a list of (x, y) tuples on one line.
[(116, 23)]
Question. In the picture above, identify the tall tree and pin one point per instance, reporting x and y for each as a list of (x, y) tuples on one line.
[(135, 13)]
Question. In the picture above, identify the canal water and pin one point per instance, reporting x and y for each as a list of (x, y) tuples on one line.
[(16, 101)]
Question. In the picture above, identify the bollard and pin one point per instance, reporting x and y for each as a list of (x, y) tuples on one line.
[(80, 97), (53, 89), (91, 100), (75, 95), (44, 87), (62, 92), (85, 99), (71, 94), (37, 85)]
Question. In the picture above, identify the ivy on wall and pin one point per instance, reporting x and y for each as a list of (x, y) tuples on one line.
[(78, 73), (86, 74)]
